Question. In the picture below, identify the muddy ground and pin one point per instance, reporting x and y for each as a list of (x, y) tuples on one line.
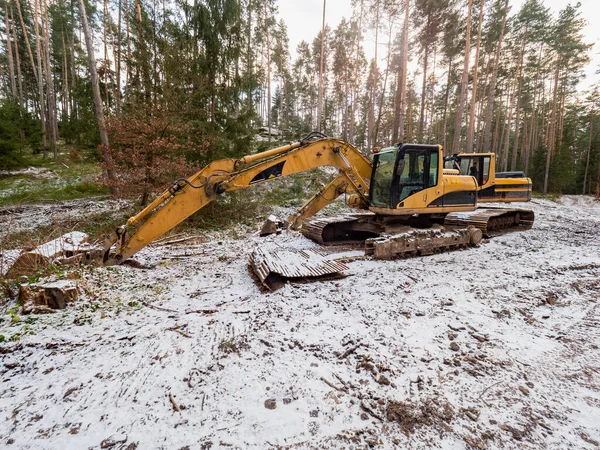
[(490, 347)]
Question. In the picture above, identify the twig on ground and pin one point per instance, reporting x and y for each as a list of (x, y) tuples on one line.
[(158, 308), (177, 241), (331, 385), (201, 311), (350, 350), (174, 403), (166, 238), (241, 312), (369, 411), (178, 329)]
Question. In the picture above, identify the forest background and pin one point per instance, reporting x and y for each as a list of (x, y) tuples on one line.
[(152, 90)]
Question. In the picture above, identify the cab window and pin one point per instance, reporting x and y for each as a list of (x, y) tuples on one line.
[(383, 173)]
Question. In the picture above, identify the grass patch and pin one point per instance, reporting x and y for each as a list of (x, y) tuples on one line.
[(64, 179), (51, 192), (96, 226)]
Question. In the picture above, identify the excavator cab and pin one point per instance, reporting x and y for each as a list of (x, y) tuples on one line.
[(402, 171), (492, 186)]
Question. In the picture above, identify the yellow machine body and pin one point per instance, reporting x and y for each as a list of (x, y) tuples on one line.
[(404, 180), (493, 186)]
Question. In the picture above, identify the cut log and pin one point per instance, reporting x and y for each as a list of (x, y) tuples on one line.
[(65, 246), (47, 297)]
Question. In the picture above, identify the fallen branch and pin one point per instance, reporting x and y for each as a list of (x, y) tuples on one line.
[(178, 329), (368, 410), (177, 241), (350, 351), (157, 241), (175, 405), (331, 385), (201, 311), (149, 305)]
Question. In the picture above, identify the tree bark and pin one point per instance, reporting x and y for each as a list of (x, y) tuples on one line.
[(25, 34), (403, 73), (587, 163), (487, 134), (424, 87), (445, 116), (97, 99), (18, 59), (463, 88), (269, 73), (321, 65), (50, 97), (385, 78), (552, 130), (515, 152), (9, 54), (471, 127), (508, 128), (40, 79)]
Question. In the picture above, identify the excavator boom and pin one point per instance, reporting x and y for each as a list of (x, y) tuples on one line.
[(186, 196)]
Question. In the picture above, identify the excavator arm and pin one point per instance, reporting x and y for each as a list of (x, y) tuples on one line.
[(186, 196)]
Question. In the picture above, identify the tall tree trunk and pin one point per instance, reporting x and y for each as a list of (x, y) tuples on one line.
[(28, 45), (97, 99), (128, 58), (587, 162), (487, 134), (552, 130), (424, 86), (105, 61), (471, 127), (269, 72), (118, 60), (18, 58), (445, 116), (508, 128), (321, 74), (50, 97), (66, 95), (403, 74), (40, 79), (144, 57), (387, 70), (464, 84), (372, 91), (515, 152), (9, 54)]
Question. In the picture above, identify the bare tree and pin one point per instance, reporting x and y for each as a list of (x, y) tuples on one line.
[(320, 105), (38, 47), (464, 84), (9, 54), (471, 127), (487, 135), (97, 98)]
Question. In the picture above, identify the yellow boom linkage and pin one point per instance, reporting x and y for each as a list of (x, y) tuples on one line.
[(186, 196)]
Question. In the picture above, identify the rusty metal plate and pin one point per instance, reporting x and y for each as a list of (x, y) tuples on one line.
[(275, 267)]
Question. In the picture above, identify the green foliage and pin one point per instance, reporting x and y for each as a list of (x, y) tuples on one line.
[(17, 133)]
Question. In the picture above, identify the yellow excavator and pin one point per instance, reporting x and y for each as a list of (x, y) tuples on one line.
[(410, 203)]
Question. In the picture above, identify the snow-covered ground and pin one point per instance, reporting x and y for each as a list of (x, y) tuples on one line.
[(491, 347)]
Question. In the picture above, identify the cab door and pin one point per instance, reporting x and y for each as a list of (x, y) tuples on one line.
[(416, 171)]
